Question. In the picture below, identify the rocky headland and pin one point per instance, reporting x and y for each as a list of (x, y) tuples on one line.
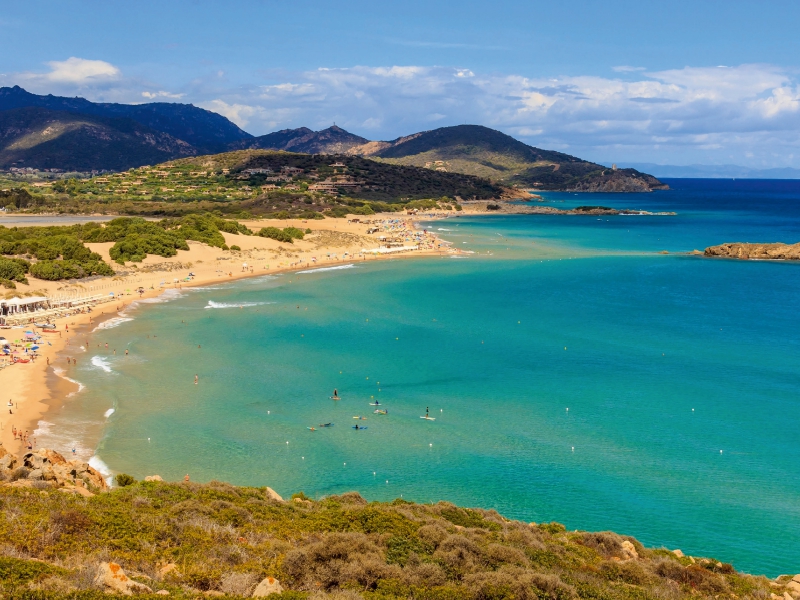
[(776, 251), (189, 540), (511, 207)]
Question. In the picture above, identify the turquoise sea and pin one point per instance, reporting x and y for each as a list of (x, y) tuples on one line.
[(575, 374)]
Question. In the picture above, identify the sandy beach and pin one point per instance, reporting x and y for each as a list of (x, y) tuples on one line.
[(339, 241)]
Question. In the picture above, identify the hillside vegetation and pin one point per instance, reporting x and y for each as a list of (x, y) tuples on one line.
[(484, 152), (187, 539), (59, 252), (251, 183)]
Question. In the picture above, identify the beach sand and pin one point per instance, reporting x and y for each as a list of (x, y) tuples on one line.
[(26, 385)]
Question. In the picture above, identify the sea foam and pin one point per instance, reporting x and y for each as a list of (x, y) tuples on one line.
[(212, 304), (111, 323), (101, 363), (60, 372), (321, 269), (97, 463)]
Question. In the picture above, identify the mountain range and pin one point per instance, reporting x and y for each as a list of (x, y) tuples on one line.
[(76, 134)]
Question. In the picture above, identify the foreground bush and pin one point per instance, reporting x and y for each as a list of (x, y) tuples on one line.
[(192, 538)]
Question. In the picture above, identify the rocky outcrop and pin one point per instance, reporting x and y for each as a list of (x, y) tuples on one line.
[(112, 578), (273, 495), (51, 468), (267, 587), (515, 208), (746, 251)]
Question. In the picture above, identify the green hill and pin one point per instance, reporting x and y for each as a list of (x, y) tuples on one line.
[(189, 540), (44, 139), (484, 152)]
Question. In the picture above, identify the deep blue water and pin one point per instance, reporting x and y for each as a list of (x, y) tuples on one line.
[(681, 375)]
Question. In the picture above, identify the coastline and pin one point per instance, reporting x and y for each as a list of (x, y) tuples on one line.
[(27, 384), (31, 386)]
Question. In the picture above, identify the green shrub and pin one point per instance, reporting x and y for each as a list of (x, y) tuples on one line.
[(124, 480), (287, 235), (14, 571), (236, 248), (56, 270), (135, 247), (13, 269)]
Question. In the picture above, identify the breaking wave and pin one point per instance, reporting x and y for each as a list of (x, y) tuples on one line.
[(212, 304), (321, 269), (101, 363)]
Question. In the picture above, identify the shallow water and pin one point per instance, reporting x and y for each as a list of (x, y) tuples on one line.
[(680, 376)]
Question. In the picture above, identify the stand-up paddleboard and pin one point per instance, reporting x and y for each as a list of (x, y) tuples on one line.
[(334, 397), (374, 403), (359, 428), (380, 412), (428, 418)]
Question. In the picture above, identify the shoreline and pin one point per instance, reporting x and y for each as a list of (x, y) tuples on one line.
[(31, 386), (35, 393)]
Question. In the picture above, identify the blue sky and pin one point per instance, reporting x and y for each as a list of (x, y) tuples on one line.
[(670, 82)]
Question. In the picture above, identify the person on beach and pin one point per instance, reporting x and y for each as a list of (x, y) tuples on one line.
[(186, 477), (126, 352)]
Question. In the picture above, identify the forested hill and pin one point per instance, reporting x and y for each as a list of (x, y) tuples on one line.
[(481, 151)]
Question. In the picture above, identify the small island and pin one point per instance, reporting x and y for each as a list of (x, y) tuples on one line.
[(745, 251)]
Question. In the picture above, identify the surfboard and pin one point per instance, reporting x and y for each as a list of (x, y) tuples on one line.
[(334, 397), (428, 418), (359, 428), (375, 404), (311, 428)]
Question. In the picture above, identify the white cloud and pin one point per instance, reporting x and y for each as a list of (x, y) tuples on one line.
[(161, 94), (692, 113), (238, 113), (80, 70), (684, 115)]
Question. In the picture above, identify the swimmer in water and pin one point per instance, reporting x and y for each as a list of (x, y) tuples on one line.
[(195, 379)]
